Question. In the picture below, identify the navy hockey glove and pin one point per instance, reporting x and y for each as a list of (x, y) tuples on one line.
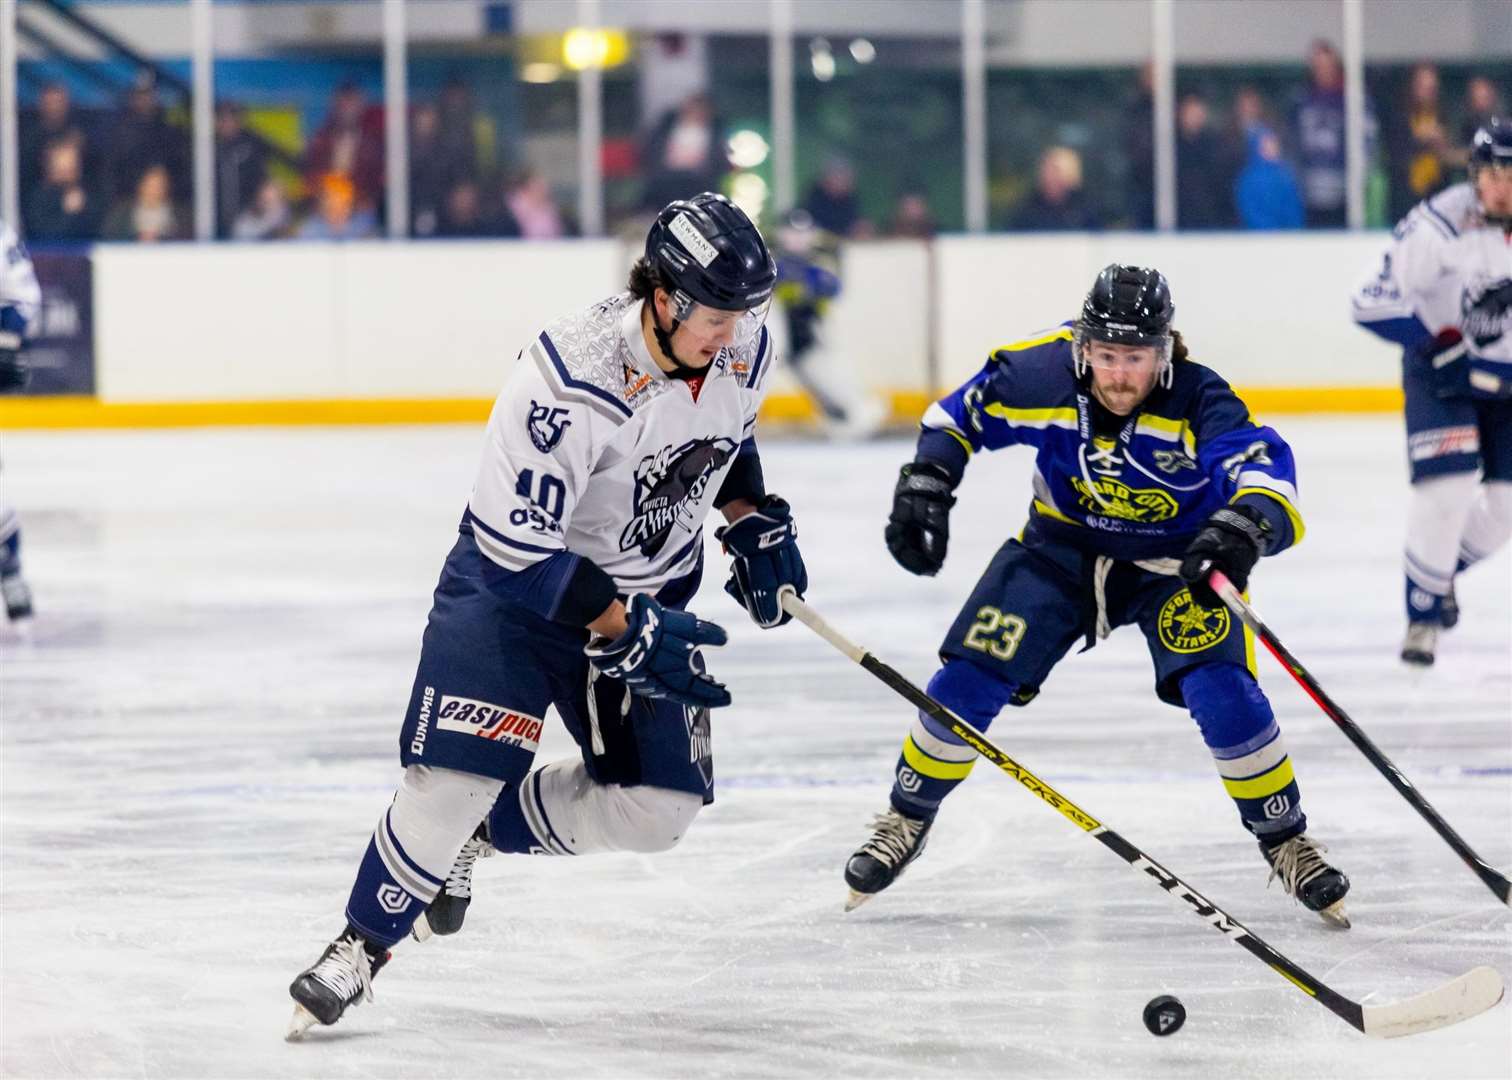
[(1442, 359), (13, 369), (657, 656), (1232, 540), (918, 529), (765, 546)]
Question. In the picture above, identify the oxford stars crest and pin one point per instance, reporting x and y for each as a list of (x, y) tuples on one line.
[(1188, 627)]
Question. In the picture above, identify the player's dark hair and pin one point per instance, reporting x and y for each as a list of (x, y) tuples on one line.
[(643, 280), (1178, 347)]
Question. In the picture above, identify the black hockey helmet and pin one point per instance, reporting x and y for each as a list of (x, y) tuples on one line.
[(1492, 144), (1127, 305), (706, 249)]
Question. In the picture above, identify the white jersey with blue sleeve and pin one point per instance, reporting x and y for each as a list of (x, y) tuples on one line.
[(592, 450), (20, 295), (1446, 268)]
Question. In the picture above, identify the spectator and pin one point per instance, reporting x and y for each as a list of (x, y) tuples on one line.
[(464, 214), (1204, 187), (1266, 193), (269, 216), (61, 208), (349, 144), (55, 118), (912, 217), (431, 175), (458, 130), (1418, 143), (1139, 151), (141, 137), (1248, 112), (1482, 102), (685, 153), (1057, 203), (536, 215), (241, 166), (832, 201), (337, 215), (1318, 128), (149, 216)]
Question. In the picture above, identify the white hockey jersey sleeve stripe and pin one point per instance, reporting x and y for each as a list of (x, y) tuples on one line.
[(508, 553), (759, 365)]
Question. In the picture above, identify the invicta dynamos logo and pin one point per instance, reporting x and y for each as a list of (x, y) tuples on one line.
[(668, 487), (1118, 500), (1187, 627)]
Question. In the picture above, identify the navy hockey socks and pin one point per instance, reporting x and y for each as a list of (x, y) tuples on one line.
[(934, 760), (1240, 730)]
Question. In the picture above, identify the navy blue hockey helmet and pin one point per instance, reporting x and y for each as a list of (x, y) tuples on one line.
[(1127, 305), (1492, 144), (708, 250)]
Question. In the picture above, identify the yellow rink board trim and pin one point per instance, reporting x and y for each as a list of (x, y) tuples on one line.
[(904, 407)]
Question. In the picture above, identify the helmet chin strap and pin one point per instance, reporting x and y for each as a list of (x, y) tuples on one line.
[(679, 370)]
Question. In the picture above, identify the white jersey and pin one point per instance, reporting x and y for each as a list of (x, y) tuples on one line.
[(592, 449), (1447, 268), (18, 280)]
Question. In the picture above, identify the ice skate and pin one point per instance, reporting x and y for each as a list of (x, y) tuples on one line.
[(342, 976), (897, 841), (18, 597), (1304, 874), (1449, 610), (1419, 645), (449, 908)]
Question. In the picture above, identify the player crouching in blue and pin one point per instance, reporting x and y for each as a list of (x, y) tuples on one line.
[(619, 428), (1150, 473)]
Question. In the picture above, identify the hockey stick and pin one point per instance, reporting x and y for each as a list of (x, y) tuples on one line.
[(1494, 880), (1459, 999)]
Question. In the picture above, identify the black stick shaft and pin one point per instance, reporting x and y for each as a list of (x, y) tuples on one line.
[(1494, 880)]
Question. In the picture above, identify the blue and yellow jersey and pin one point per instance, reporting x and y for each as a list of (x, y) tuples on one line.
[(1138, 493)]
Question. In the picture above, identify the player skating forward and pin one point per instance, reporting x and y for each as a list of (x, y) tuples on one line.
[(20, 298), (1150, 472), (1443, 291), (617, 431)]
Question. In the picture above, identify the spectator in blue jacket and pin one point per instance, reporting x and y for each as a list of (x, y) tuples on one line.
[(1266, 193)]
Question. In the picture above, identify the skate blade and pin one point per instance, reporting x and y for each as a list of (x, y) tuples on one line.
[(1335, 915), (856, 899), (302, 1021)]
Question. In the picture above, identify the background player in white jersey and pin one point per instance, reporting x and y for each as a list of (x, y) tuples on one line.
[(618, 430), (1443, 291), (20, 299)]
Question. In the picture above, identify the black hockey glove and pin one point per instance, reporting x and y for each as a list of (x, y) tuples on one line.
[(13, 370), (918, 529), (1442, 361), (764, 544), (1232, 540), (658, 657)]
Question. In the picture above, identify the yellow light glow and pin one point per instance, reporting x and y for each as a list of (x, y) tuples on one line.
[(584, 48), (541, 72)]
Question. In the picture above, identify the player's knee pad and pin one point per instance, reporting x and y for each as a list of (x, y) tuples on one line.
[(972, 693), (1227, 703), (580, 816), (436, 810)]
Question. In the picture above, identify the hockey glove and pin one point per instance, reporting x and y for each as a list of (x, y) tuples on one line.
[(657, 655), (1442, 360), (13, 370), (1232, 540), (764, 544), (918, 529)]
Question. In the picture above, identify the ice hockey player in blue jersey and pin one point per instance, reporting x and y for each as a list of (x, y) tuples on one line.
[(618, 429), (20, 299), (1149, 473), (1443, 291)]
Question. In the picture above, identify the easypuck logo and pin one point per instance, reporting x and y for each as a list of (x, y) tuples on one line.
[(488, 721)]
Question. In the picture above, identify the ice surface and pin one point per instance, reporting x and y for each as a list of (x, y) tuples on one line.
[(202, 733)]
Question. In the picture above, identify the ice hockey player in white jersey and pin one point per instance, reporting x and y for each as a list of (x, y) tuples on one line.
[(618, 430), (20, 300), (1443, 291)]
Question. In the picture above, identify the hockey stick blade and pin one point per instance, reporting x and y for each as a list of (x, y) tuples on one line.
[(1494, 879), (1459, 999)]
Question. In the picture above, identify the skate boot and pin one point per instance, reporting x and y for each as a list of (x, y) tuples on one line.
[(897, 841), (449, 908), (342, 976), (1418, 646), (1449, 610), (1308, 878), (18, 597)]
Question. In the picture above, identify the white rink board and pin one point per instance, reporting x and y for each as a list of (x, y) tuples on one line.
[(201, 736)]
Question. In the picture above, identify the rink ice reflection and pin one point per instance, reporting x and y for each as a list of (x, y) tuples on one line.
[(201, 734)]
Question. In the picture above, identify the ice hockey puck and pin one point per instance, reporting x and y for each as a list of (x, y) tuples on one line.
[(1164, 1015)]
